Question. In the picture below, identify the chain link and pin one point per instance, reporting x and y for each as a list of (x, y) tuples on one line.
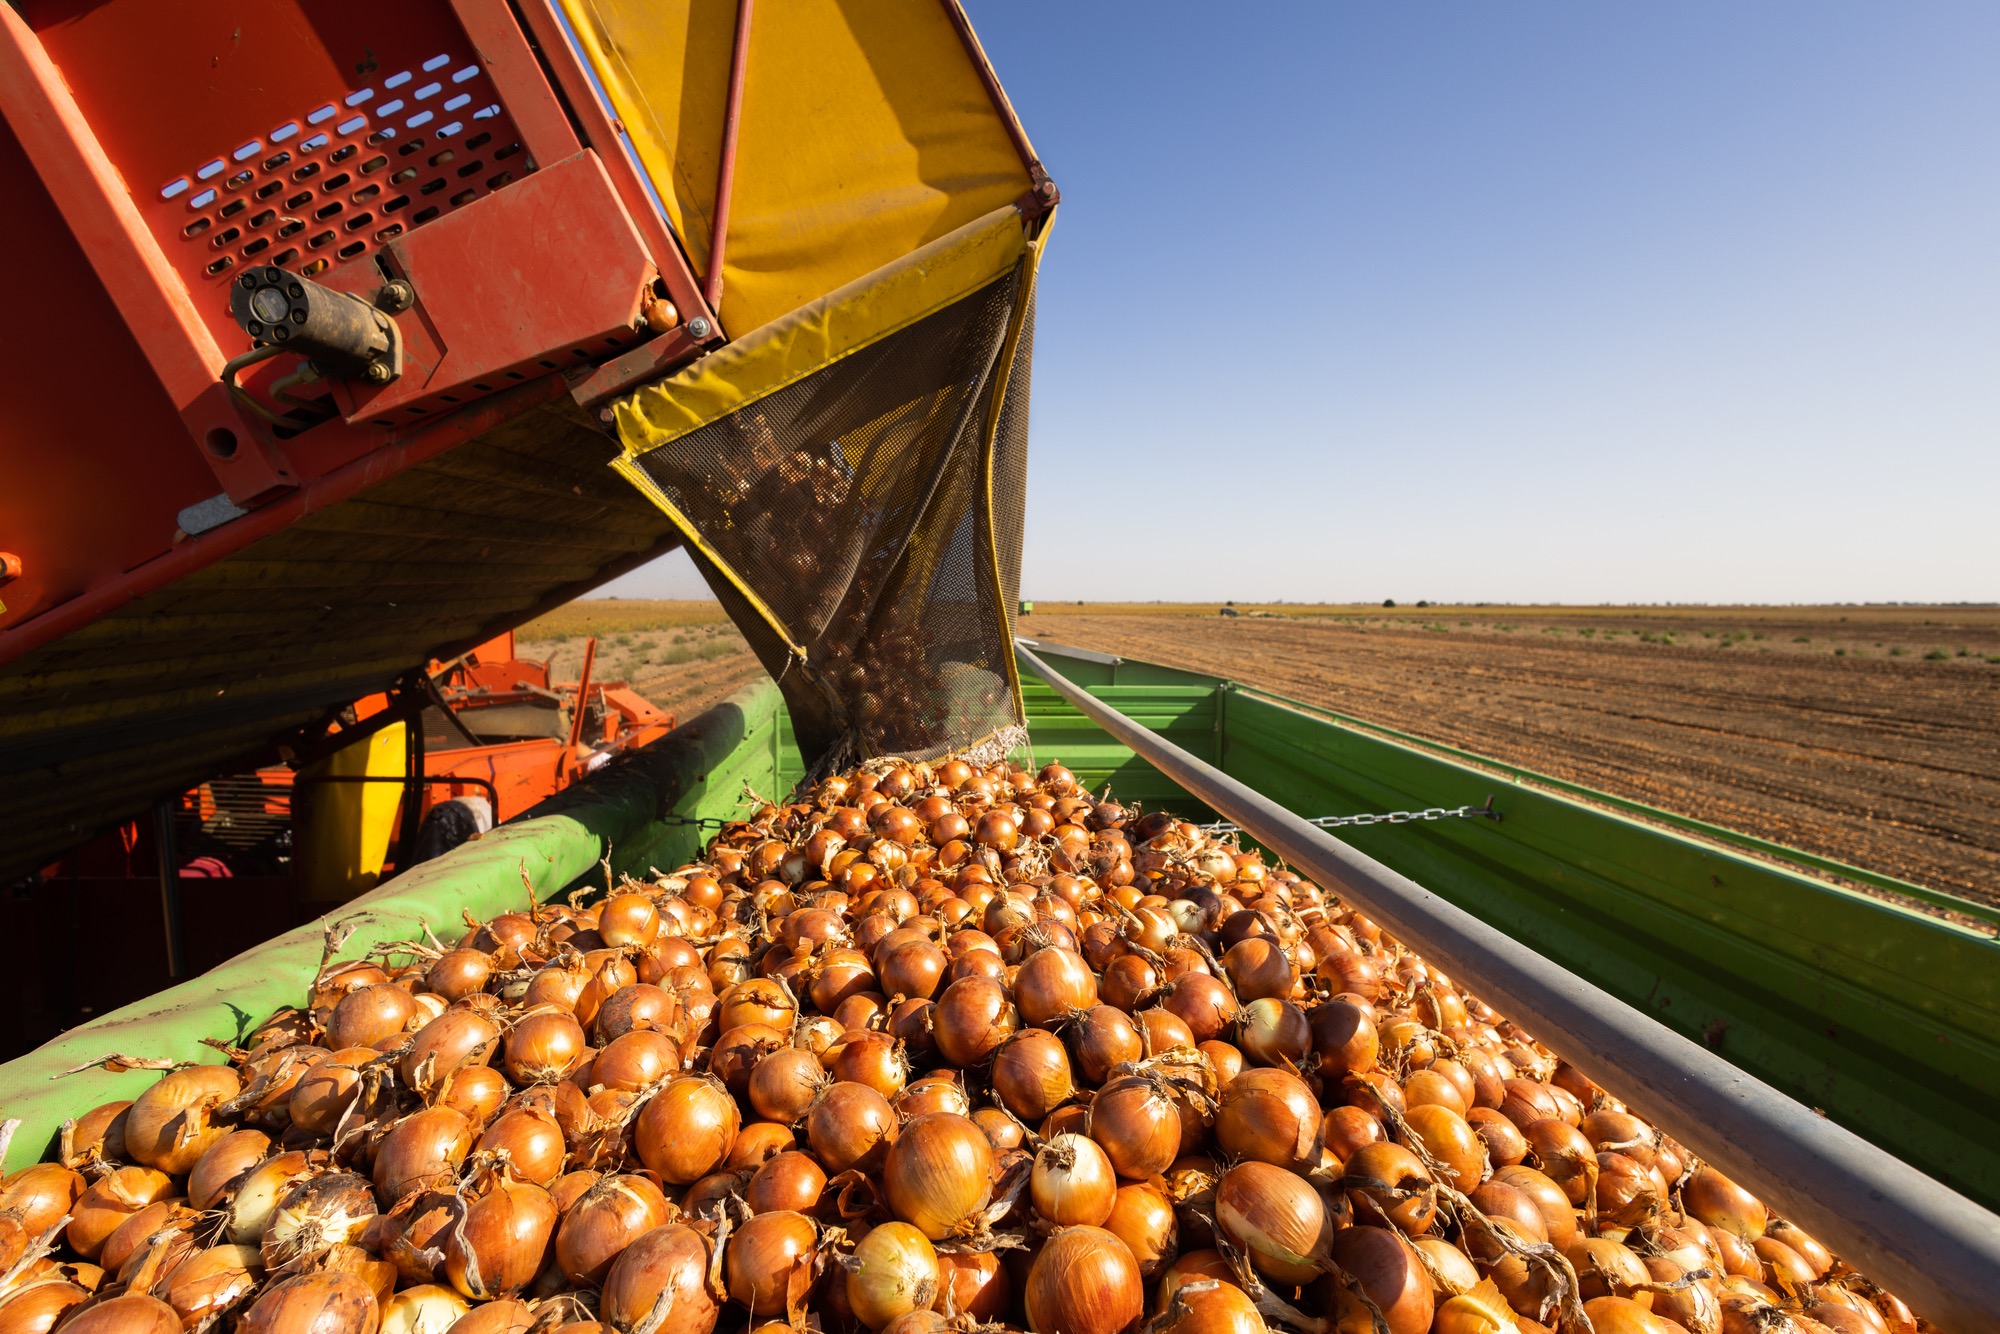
[(1485, 812)]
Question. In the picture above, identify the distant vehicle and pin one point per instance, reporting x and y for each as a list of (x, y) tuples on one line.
[(1227, 611)]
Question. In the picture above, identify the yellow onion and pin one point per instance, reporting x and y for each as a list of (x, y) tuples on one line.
[(456, 974), (502, 1239), (636, 1060), (1275, 1217), (685, 1132), (1031, 1072), (1138, 1124), (506, 1316), (421, 1152), (1387, 1269), (171, 1124), (1620, 1315), (39, 1195), (1084, 1281), (938, 1174), (225, 1160), (665, 1270), (1478, 1310), (1072, 1182), (1269, 1116), (323, 1303), (139, 1315), (532, 1141), (769, 1260), (1052, 985), (543, 1047), (366, 1015), (1451, 1141), (608, 1217), (322, 1094), (135, 1233), (789, 1181), (974, 1284), (34, 1307), (1102, 1038), (894, 1270), (1388, 1181), (851, 1127), (256, 1195), (211, 1281), (1720, 1203), (1208, 1306), (428, 1308), (460, 1036), (1142, 1216), (312, 1215), (972, 1017), (109, 1202)]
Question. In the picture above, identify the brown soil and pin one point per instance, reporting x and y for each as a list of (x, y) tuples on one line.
[(695, 660), (1867, 735)]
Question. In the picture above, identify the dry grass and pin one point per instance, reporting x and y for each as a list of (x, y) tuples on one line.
[(683, 656)]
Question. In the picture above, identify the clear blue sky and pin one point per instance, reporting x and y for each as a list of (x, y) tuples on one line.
[(1512, 302)]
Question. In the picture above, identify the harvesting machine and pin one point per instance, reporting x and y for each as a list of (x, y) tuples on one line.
[(349, 335)]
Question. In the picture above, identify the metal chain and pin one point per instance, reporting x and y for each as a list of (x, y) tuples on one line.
[(1485, 812)]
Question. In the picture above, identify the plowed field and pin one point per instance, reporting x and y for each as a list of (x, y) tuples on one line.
[(1867, 734), (1871, 735)]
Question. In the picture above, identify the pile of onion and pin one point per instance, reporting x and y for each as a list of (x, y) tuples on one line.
[(930, 1047)]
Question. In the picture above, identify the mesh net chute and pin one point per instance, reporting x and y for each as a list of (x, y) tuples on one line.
[(862, 524)]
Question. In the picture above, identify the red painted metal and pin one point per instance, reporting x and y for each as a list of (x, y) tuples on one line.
[(577, 710), (155, 305), (725, 175), (510, 63), (1043, 195), (317, 494), (543, 276), (601, 132)]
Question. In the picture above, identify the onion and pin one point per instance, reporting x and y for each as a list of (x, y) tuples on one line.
[(1452, 1142), (787, 1182), (628, 919), (506, 1316), (1138, 1124), (761, 1000), (1620, 1315), (913, 969), (133, 1234), (39, 1195), (1031, 1072), (367, 1015), (1072, 1182), (35, 1307), (501, 1240), (769, 1261), (1053, 984), (1344, 1036), (1275, 1217), (894, 1270), (686, 1131), (1558, 1218), (974, 1284), (322, 1094), (737, 1052), (532, 1141), (1564, 1156), (543, 1047), (641, 1006), (851, 1127), (938, 1174), (1258, 967), (1101, 1038), (460, 1036), (1201, 1002), (428, 1308), (873, 1059), (421, 1152), (101, 1129), (972, 1018), (784, 1083), (149, 1315), (1505, 1145), (1143, 1217), (1162, 1030), (1388, 1181), (473, 1091), (1208, 1306), (1387, 1269), (459, 973), (936, 1092), (1721, 1203), (1269, 1116), (312, 1215), (171, 1124), (635, 1061), (1628, 1192), (109, 1202), (1084, 1281), (1195, 1267)]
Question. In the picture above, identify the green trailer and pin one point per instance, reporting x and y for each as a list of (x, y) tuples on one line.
[(1877, 1015)]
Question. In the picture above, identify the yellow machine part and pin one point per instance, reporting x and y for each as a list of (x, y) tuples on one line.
[(865, 134), (343, 829)]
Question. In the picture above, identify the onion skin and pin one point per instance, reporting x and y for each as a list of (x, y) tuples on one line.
[(686, 1131), (322, 1303), (768, 1261), (894, 1271), (142, 1315), (1209, 1306), (851, 1128), (428, 1308), (35, 1307), (975, 1284), (211, 1280), (1270, 1116), (1084, 1281), (972, 1017), (1720, 1203), (422, 1152), (1389, 1272), (506, 1316), (502, 1240), (168, 1127), (39, 1195), (1072, 1182), (1142, 1216), (1618, 1315), (1137, 1125), (667, 1267), (789, 1182), (938, 1174), (105, 1206), (1031, 1073), (1277, 1218)]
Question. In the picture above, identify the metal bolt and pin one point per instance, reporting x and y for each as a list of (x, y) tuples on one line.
[(377, 373), (396, 296), (698, 327), (607, 416)]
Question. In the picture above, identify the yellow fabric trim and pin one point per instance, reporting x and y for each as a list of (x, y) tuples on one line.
[(821, 333), (1003, 375), (865, 133)]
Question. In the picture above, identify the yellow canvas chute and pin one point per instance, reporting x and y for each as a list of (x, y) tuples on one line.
[(866, 132)]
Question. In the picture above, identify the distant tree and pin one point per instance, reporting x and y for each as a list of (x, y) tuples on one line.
[(1388, 602), (1230, 603), (1422, 603)]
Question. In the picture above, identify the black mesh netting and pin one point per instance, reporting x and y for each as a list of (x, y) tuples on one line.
[(855, 504)]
